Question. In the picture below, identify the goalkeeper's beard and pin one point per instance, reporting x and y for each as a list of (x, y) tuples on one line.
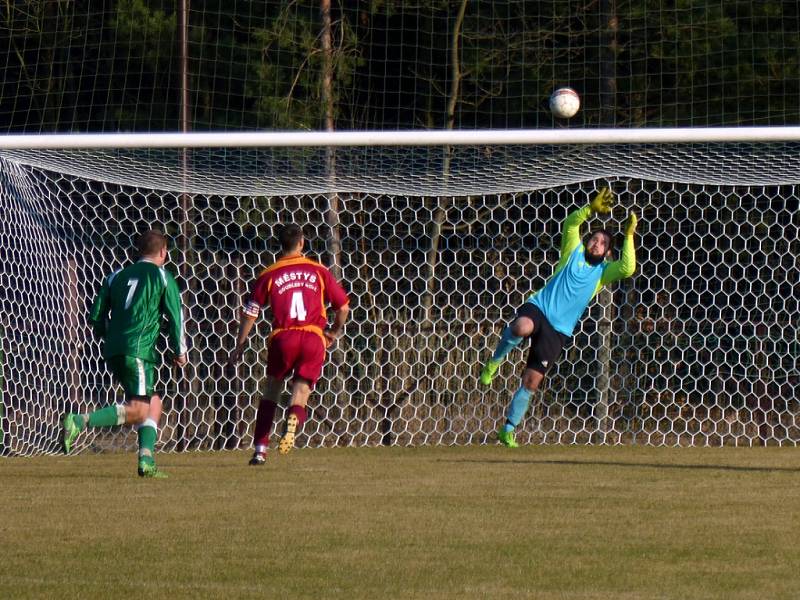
[(592, 259)]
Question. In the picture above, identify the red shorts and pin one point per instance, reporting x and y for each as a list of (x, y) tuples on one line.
[(300, 351)]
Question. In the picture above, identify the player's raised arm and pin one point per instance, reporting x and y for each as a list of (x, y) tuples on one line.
[(626, 265), (571, 231)]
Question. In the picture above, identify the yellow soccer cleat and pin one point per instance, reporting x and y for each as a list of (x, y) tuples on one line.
[(287, 441)]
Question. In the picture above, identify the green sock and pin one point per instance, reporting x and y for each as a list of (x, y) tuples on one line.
[(106, 417), (147, 441)]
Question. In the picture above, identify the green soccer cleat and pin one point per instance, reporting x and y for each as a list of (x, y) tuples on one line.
[(151, 471), (489, 371), (507, 438), (287, 441), (70, 431)]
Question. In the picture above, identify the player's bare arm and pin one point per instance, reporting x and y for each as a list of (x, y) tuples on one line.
[(333, 332), (245, 326)]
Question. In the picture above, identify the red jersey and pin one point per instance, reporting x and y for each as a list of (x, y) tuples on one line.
[(297, 289)]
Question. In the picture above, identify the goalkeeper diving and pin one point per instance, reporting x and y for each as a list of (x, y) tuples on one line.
[(550, 315)]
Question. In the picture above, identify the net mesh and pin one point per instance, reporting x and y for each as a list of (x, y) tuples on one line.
[(423, 170), (698, 348)]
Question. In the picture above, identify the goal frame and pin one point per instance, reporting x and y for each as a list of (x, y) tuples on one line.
[(325, 195)]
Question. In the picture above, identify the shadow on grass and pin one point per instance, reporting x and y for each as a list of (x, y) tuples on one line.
[(601, 463)]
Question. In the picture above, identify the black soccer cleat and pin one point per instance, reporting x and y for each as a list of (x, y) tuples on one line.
[(259, 458)]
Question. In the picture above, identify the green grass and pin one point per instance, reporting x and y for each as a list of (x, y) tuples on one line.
[(476, 522)]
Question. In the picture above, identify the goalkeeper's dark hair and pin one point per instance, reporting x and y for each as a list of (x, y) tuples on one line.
[(289, 236), (151, 242), (609, 237)]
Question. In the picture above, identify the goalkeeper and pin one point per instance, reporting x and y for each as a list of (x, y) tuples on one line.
[(549, 316), (137, 297)]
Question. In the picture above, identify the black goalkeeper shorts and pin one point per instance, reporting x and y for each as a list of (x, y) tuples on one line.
[(546, 342)]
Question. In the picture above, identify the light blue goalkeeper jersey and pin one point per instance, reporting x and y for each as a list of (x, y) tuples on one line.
[(567, 293)]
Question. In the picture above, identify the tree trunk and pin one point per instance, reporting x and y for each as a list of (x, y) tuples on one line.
[(332, 215), (606, 300), (435, 229), (74, 341), (334, 242), (185, 200), (608, 65), (608, 90)]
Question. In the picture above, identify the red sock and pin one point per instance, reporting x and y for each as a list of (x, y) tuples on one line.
[(299, 412), (264, 418)]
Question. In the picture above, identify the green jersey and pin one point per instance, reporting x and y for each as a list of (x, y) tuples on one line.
[(137, 297)]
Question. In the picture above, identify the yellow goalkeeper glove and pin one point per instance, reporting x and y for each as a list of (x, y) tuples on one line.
[(630, 223), (603, 202)]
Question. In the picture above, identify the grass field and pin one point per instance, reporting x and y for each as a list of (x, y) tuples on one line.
[(474, 522)]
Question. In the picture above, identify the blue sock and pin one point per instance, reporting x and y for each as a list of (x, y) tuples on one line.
[(507, 343), (517, 409)]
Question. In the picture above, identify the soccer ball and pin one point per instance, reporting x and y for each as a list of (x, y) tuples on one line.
[(564, 103)]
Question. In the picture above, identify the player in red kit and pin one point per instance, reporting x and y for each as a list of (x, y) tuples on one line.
[(298, 290)]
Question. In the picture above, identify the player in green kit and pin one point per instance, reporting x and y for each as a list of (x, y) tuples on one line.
[(137, 297), (549, 316)]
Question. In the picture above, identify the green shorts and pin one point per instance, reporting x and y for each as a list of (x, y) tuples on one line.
[(136, 376)]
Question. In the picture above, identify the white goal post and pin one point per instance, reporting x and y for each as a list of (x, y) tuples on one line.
[(439, 236), (485, 137)]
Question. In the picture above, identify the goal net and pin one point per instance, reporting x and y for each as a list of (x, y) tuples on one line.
[(438, 247), (263, 64)]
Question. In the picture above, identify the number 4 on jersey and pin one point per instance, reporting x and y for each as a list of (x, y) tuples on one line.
[(297, 310)]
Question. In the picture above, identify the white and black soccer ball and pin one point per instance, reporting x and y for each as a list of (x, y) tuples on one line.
[(564, 103)]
